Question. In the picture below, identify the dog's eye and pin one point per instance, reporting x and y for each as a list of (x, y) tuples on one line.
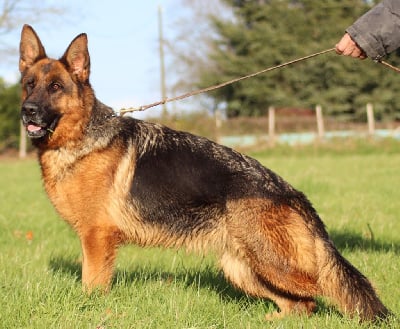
[(30, 84), (55, 86)]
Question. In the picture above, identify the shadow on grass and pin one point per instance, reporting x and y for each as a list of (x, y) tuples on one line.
[(67, 265), (207, 278), (353, 241)]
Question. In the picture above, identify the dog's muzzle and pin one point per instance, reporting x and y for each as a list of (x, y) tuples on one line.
[(36, 122)]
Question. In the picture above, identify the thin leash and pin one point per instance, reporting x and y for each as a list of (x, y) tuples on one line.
[(392, 67), (208, 89), (204, 90)]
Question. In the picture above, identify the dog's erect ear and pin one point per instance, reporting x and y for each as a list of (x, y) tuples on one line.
[(77, 59), (30, 48)]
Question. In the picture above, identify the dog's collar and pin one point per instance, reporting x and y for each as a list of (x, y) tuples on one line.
[(111, 115)]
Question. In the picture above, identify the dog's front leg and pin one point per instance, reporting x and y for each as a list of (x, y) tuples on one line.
[(99, 249)]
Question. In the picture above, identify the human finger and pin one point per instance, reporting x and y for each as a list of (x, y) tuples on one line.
[(344, 44)]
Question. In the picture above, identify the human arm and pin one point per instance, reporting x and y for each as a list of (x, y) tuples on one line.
[(375, 34)]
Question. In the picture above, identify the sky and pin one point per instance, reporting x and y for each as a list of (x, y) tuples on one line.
[(123, 45)]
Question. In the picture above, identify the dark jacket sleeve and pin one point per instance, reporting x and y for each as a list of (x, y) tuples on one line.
[(378, 31)]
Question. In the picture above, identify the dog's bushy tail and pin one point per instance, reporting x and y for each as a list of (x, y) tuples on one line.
[(344, 285)]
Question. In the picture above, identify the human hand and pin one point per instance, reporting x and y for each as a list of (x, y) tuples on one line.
[(347, 47)]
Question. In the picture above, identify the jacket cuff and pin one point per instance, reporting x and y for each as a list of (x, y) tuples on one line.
[(370, 45)]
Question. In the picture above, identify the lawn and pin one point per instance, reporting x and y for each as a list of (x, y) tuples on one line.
[(355, 190)]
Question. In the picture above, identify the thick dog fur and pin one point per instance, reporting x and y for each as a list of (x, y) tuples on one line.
[(119, 180)]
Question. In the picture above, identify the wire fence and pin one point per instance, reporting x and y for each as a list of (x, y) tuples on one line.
[(310, 128)]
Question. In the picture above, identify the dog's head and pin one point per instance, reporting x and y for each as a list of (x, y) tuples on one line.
[(53, 91)]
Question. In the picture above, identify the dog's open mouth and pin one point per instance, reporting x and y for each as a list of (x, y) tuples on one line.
[(31, 128), (36, 130)]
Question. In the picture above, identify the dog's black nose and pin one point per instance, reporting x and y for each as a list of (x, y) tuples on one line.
[(29, 108)]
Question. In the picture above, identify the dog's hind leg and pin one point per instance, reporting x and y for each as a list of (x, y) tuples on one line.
[(276, 255), (243, 277)]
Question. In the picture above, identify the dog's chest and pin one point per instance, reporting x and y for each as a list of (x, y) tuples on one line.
[(81, 189)]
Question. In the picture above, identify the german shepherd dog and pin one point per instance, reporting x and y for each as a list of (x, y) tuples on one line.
[(119, 180)]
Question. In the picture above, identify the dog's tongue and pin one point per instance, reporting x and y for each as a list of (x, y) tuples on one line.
[(33, 128)]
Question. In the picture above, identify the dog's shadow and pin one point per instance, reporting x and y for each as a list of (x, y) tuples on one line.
[(353, 241), (205, 278), (210, 279)]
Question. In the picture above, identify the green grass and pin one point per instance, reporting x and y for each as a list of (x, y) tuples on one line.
[(355, 190)]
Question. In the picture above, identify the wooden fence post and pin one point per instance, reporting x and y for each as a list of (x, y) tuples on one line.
[(218, 124), (22, 142), (370, 118), (320, 122), (271, 126)]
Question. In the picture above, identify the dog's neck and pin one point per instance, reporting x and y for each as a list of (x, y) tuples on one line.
[(97, 131), (101, 111)]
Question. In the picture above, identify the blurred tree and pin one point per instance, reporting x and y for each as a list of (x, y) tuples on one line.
[(9, 114), (264, 33), (190, 46)]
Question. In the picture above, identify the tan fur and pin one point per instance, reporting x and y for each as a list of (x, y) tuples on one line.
[(292, 241), (80, 198)]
